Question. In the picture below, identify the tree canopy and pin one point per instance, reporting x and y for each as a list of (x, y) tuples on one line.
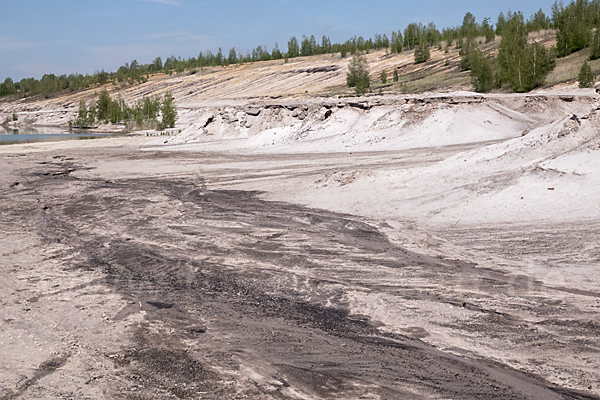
[(144, 113), (586, 76), (358, 74), (521, 65)]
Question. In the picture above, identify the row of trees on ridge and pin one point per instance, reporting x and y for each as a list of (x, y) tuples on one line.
[(518, 63)]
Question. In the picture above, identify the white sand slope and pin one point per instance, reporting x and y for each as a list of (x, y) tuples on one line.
[(522, 155), (360, 126)]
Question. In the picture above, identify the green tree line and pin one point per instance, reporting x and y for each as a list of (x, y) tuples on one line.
[(144, 113), (576, 23), (520, 65)]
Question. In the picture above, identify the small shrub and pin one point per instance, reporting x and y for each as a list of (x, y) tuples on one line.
[(586, 76), (14, 117), (422, 53), (82, 115), (168, 111), (358, 75), (383, 77)]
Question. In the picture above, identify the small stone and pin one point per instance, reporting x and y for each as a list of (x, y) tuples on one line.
[(196, 328)]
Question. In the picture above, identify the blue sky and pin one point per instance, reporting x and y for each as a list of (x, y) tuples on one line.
[(67, 36)]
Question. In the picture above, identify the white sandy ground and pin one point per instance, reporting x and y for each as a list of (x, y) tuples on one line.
[(522, 168), (528, 162), (481, 179)]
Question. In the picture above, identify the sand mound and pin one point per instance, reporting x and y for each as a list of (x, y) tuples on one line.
[(362, 125), (529, 153)]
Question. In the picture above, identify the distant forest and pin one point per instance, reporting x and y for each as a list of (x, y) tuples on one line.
[(576, 27)]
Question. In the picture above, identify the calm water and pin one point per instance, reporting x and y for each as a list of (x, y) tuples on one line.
[(42, 134)]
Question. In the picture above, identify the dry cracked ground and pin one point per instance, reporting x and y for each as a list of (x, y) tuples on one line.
[(141, 275)]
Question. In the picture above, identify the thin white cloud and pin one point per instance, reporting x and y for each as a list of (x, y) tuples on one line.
[(11, 44), (178, 36), (173, 3)]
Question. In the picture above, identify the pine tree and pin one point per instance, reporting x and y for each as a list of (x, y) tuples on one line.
[(358, 75), (293, 48), (276, 53), (397, 42), (326, 45), (385, 41), (157, 64), (500, 23), (586, 76), (8, 87), (306, 47), (91, 115), (115, 112), (219, 58), (595, 46), (538, 21), (523, 66), (383, 77), (469, 26), (232, 58), (412, 35), (179, 67), (482, 76), (314, 47), (396, 77), (540, 63), (82, 115), (168, 111), (467, 47), (432, 35), (488, 30), (422, 53), (102, 106), (573, 30)]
